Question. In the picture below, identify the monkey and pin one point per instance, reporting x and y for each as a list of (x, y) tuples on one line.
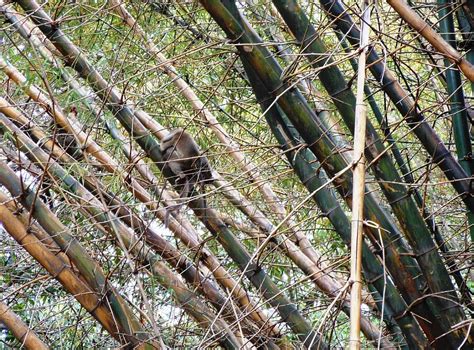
[(66, 140), (70, 145), (185, 160), (184, 157)]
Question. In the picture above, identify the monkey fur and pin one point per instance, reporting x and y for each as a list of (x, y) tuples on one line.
[(186, 161)]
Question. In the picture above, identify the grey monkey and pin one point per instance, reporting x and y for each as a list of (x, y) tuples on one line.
[(184, 158)]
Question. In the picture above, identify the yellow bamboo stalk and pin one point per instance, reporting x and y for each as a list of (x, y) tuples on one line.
[(20, 330), (56, 113), (358, 186), (60, 271), (443, 47)]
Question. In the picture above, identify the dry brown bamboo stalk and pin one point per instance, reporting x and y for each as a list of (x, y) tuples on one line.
[(20, 330), (358, 186), (443, 47)]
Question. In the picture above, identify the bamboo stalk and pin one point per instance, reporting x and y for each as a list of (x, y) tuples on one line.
[(455, 92), (57, 268), (25, 336), (459, 116), (56, 113), (358, 184), (443, 47), (465, 17), (405, 104)]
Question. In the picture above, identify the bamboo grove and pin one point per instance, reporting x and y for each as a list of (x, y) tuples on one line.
[(258, 258)]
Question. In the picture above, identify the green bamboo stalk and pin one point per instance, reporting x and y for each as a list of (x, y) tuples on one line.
[(306, 167), (455, 91), (399, 197), (465, 16), (407, 176), (459, 116), (406, 106), (125, 115), (402, 267)]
